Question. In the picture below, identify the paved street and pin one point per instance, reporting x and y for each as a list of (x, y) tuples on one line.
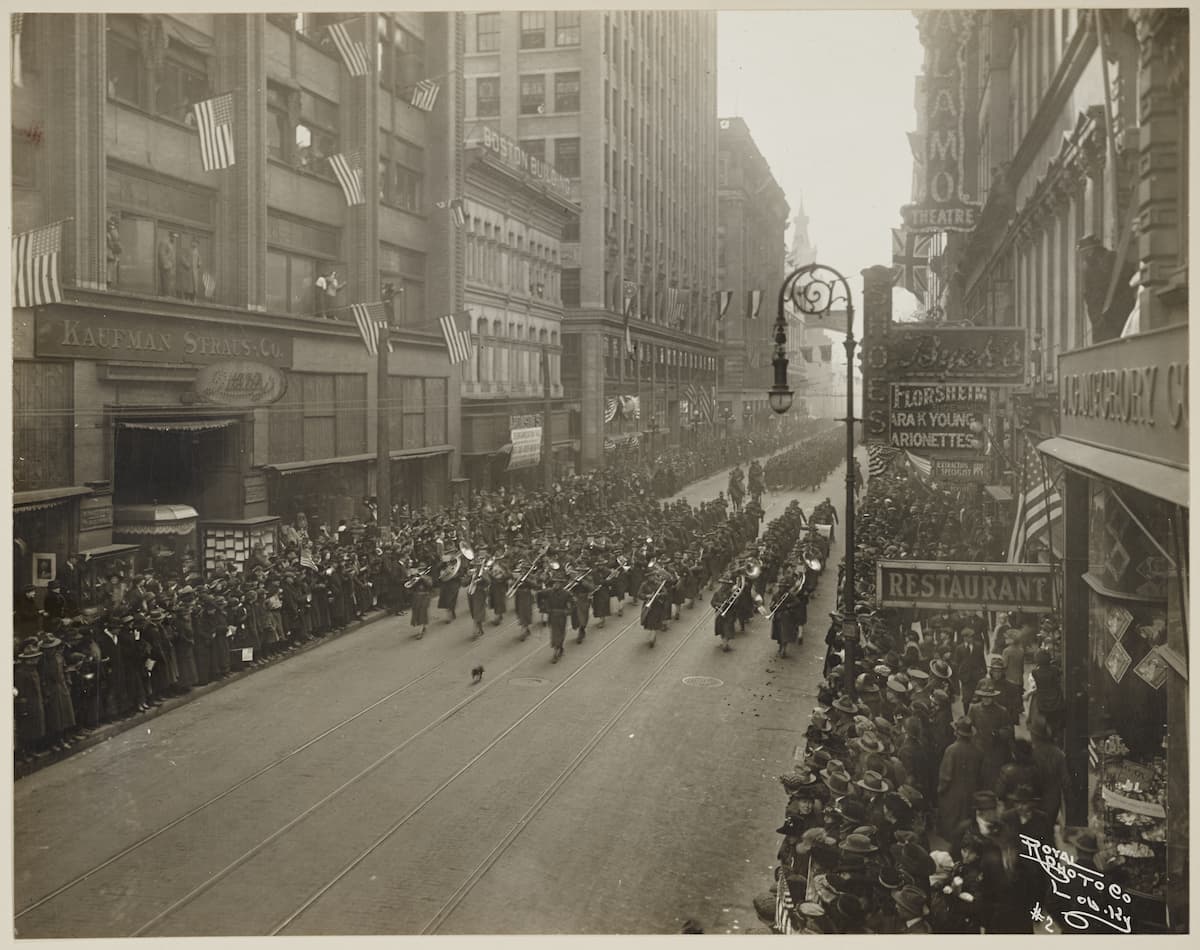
[(367, 787)]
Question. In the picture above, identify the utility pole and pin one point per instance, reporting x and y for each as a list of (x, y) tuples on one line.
[(383, 455), (547, 418)]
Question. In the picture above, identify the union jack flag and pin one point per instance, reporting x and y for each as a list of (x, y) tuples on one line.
[(910, 261)]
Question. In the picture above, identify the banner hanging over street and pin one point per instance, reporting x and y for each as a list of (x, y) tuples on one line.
[(964, 585)]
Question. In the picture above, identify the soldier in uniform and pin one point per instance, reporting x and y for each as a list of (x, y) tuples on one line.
[(450, 580), (478, 593), (523, 598), (499, 577), (421, 593), (656, 604), (724, 621), (558, 603)]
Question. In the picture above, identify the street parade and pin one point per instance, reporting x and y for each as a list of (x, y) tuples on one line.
[(601, 471)]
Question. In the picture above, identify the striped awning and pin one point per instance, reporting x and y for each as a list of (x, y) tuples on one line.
[(154, 519), (185, 425)]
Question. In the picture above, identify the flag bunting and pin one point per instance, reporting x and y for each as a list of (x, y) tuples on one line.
[(755, 302), (723, 299), (424, 95), (1038, 506)]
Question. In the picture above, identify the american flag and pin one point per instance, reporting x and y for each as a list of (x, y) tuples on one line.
[(910, 261), (348, 169), (372, 320), (723, 299), (35, 266), (425, 95), (879, 458), (457, 210), (610, 409), (352, 51), (701, 398), (457, 332), (214, 119), (18, 23), (755, 302), (674, 305), (1039, 505)]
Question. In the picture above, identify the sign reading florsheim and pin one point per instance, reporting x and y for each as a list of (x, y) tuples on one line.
[(964, 585)]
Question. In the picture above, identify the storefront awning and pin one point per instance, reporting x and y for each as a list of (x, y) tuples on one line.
[(154, 519), (185, 425), (294, 468), (46, 497), (1001, 493), (1153, 478), (427, 451)]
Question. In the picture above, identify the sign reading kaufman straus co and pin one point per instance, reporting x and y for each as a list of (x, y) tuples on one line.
[(964, 585)]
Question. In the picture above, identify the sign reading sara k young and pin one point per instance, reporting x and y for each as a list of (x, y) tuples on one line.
[(94, 335), (936, 416), (1129, 394), (964, 585)]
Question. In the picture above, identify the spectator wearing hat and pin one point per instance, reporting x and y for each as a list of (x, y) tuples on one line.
[(1010, 697), (27, 618), (913, 910), (1019, 770), (958, 778), (56, 696), (28, 702), (83, 667), (113, 701), (1046, 703), (1053, 776), (1086, 845), (914, 756), (990, 721), (970, 665)]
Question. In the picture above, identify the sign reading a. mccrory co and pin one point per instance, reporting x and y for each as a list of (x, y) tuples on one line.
[(94, 335), (1129, 394), (964, 585)]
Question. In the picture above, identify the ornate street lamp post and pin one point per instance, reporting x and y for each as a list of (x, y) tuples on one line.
[(814, 290)]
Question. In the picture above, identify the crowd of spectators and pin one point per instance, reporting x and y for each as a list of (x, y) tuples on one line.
[(930, 754)]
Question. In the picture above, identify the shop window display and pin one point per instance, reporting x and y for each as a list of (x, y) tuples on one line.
[(1136, 578)]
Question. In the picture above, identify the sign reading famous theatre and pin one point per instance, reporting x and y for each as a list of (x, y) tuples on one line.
[(92, 335)]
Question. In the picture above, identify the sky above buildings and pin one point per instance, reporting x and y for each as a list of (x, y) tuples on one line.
[(828, 97)]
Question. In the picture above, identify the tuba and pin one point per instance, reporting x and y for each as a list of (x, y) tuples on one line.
[(466, 550), (451, 570)]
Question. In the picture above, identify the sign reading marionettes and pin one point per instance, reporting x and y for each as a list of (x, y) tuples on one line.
[(936, 416), (964, 585)]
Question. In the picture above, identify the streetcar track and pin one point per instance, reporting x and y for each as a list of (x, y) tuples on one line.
[(542, 800), (397, 825), (241, 783), (224, 872)]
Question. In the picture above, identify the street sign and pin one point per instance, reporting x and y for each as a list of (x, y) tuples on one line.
[(964, 585)]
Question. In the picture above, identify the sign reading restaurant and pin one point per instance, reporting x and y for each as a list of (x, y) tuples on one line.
[(964, 585), (512, 154), (94, 335)]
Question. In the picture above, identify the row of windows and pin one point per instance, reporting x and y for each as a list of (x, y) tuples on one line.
[(514, 357), (533, 94), (534, 25), (508, 266)]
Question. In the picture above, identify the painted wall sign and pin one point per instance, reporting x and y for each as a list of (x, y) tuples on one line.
[(512, 154), (944, 204), (936, 417), (964, 585), (1129, 394), (95, 335), (242, 383), (968, 354)]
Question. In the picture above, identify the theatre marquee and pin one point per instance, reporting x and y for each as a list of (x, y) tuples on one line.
[(964, 585)]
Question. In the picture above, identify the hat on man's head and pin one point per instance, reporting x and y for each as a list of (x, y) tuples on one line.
[(964, 727), (941, 669), (984, 801)]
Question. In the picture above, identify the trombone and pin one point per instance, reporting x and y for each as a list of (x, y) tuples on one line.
[(738, 586), (571, 585), (784, 594), (412, 581)]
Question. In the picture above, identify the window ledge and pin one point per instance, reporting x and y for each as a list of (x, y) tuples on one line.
[(153, 116)]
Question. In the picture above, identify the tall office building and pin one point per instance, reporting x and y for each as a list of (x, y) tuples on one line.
[(623, 105)]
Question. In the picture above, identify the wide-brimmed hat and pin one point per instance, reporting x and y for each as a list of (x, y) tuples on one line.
[(918, 677), (911, 795), (851, 809), (883, 728), (910, 900), (869, 742), (916, 860), (941, 669), (987, 690), (843, 704), (821, 722), (857, 844), (964, 727), (836, 782), (48, 641), (29, 649), (798, 779), (874, 783), (898, 805), (890, 879), (897, 685)]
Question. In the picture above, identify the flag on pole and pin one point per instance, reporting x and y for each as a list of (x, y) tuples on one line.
[(348, 169), (214, 119), (755, 301), (35, 266), (723, 299), (910, 261), (372, 320), (457, 210), (922, 466), (18, 23), (352, 50), (425, 94), (630, 292), (1039, 506), (456, 330)]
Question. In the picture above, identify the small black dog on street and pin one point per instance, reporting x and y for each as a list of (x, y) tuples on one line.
[(477, 674)]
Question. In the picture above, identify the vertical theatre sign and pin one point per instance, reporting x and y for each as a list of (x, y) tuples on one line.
[(945, 204)]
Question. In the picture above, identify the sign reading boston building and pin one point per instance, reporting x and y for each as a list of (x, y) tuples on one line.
[(91, 335), (964, 585)]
